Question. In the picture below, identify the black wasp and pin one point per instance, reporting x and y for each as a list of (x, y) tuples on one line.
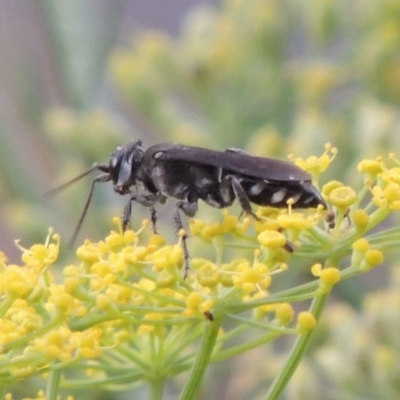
[(190, 173)]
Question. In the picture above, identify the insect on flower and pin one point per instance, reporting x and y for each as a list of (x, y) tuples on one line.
[(190, 174)]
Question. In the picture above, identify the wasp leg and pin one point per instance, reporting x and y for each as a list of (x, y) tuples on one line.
[(147, 201), (241, 195), (153, 219), (189, 209), (126, 215)]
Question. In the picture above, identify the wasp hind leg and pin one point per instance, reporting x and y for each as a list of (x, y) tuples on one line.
[(241, 195)]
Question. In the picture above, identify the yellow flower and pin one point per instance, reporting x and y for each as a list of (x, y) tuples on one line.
[(271, 239), (342, 197), (372, 259), (371, 168), (305, 322), (284, 313), (388, 196), (40, 256), (316, 165), (361, 220)]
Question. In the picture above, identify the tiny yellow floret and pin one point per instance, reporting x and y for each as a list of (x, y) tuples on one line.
[(196, 226), (374, 257), (229, 223), (360, 218), (361, 245), (305, 322), (392, 192), (330, 186), (295, 221), (370, 167), (88, 252), (271, 239), (330, 276), (316, 269), (342, 197), (208, 275), (102, 301), (392, 175), (194, 300), (156, 240), (284, 313)]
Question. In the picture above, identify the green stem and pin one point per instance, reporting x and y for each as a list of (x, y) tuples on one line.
[(297, 352), (156, 389), (202, 359), (53, 384)]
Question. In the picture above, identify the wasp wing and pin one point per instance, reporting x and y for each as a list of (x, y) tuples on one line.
[(235, 161)]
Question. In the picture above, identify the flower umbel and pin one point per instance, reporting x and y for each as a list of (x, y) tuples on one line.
[(125, 305)]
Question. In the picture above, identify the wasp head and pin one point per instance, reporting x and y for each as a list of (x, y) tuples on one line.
[(124, 164)]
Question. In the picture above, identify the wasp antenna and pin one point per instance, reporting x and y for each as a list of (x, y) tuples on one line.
[(101, 178), (58, 189)]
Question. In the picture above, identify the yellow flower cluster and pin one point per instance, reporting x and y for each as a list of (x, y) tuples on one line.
[(316, 165), (124, 289), (129, 292)]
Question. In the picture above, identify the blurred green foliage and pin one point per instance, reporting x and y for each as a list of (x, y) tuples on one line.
[(272, 76)]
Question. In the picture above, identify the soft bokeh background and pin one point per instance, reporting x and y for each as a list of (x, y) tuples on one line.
[(78, 77)]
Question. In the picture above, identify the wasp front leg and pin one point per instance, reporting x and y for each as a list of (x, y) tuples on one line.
[(145, 200)]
